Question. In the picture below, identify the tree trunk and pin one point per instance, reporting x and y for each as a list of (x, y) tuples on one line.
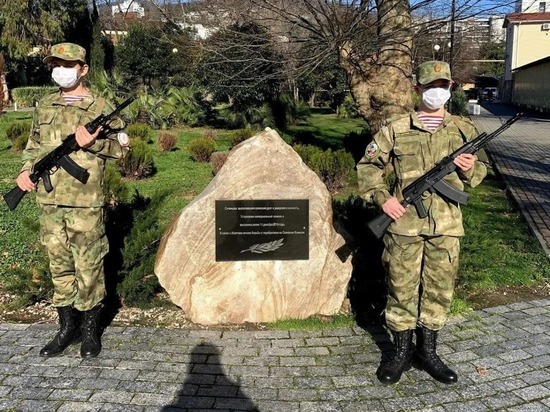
[(381, 84), (312, 99)]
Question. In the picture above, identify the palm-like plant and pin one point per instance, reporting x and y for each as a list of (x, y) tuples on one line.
[(187, 106)]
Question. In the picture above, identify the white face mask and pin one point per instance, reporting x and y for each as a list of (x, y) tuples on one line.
[(436, 97), (65, 77)]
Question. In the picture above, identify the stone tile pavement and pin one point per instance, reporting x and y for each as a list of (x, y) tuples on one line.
[(502, 355), (522, 157)]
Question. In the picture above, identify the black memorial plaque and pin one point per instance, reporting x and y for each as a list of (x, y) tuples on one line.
[(262, 230)]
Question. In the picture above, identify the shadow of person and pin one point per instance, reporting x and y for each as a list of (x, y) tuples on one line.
[(368, 289), (206, 386), (119, 222)]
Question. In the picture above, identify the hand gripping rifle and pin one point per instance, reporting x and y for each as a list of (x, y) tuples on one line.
[(433, 181), (59, 157)]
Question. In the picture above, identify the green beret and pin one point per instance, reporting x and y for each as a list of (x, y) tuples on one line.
[(67, 51), (427, 72)]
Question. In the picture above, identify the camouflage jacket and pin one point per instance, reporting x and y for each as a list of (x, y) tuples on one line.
[(407, 148), (53, 120)]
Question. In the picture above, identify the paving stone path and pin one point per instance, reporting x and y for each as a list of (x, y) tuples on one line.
[(522, 157), (501, 354)]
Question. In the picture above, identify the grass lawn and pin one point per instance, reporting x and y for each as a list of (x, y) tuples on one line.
[(498, 249)]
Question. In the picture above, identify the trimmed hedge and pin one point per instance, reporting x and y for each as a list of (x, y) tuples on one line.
[(29, 96), (201, 148), (18, 133)]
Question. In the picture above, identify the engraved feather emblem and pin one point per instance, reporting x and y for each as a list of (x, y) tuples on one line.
[(265, 247)]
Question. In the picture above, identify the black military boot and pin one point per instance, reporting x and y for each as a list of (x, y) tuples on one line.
[(91, 339), (69, 332), (427, 359), (391, 371)]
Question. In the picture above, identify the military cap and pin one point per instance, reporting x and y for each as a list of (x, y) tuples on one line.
[(427, 72), (67, 51)]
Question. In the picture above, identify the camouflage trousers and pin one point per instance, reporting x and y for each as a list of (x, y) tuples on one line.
[(421, 274), (76, 243)]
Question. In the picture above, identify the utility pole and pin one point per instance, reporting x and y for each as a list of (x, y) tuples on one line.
[(3, 86), (453, 12), (451, 48)]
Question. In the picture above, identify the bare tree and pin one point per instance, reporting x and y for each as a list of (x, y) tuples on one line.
[(373, 40)]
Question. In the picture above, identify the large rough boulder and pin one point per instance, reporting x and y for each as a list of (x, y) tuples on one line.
[(210, 292)]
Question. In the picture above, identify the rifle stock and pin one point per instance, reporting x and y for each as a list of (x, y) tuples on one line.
[(59, 158), (433, 180), (13, 197)]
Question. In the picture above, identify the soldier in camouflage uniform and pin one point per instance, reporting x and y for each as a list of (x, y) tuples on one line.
[(421, 255), (71, 215)]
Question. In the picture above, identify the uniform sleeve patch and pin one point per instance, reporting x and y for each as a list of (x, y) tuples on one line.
[(372, 149)]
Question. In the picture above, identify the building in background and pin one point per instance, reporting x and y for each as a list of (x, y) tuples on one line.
[(532, 6), (531, 86), (527, 40), (129, 6)]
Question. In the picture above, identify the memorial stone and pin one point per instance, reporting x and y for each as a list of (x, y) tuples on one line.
[(230, 290)]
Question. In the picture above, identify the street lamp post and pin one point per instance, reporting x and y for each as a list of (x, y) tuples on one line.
[(437, 48)]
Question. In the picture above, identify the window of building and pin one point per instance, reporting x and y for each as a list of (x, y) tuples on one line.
[(542, 7)]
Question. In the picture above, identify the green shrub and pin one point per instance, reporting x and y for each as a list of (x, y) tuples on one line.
[(332, 167), (18, 133), (17, 129), (348, 109), (166, 141), (306, 152), (114, 188), (29, 96), (201, 149), (138, 163), (240, 136), (138, 283), (139, 131), (21, 142), (217, 160), (459, 103)]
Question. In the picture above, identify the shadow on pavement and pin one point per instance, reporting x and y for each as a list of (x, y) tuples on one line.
[(207, 387)]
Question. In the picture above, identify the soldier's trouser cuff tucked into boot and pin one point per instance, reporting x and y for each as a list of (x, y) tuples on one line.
[(68, 333), (426, 358), (91, 335), (391, 371)]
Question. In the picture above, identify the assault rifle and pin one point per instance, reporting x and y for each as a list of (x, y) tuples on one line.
[(59, 157), (433, 181)]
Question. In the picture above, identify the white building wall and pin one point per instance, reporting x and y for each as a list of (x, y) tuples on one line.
[(532, 6), (129, 6)]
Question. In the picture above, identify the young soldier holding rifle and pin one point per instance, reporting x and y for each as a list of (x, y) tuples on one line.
[(421, 254), (71, 209)]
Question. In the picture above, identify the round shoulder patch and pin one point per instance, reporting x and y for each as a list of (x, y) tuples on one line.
[(372, 149)]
